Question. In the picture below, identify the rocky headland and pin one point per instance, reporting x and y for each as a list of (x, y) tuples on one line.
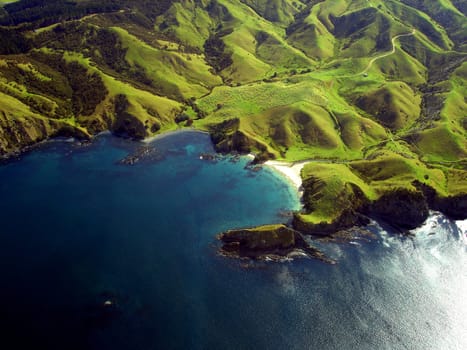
[(269, 242), (350, 210)]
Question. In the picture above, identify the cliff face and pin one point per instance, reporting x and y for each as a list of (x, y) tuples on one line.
[(453, 206), (402, 208), (16, 135)]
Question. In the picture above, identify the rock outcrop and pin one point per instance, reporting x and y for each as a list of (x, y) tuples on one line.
[(401, 208), (142, 153), (273, 242), (455, 207), (16, 136), (227, 138)]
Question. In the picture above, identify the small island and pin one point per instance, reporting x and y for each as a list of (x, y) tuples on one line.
[(269, 242)]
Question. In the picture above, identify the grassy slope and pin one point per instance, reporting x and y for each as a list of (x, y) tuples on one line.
[(140, 101), (331, 193), (446, 140), (187, 73), (190, 24), (253, 59)]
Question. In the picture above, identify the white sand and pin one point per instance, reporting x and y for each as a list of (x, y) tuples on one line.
[(290, 170)]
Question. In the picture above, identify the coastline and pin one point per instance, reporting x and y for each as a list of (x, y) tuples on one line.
[(290, 171), (451, 206)]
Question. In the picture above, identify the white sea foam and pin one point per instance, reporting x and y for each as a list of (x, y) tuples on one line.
[(286, 281)]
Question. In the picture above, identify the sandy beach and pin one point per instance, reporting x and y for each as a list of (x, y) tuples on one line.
[(290, 170)]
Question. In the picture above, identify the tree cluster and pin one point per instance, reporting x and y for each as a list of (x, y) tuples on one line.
[(86, 90), (217, 57), (13, 42), (39, 13)]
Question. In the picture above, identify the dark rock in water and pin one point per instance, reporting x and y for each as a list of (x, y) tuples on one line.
[(401, 208), (254, 167), (273, 242), (145, 153), (235, 158), (82, 144), (210, 157), (286, 214)]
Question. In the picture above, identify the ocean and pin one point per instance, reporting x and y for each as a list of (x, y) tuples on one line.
[(98, 254)]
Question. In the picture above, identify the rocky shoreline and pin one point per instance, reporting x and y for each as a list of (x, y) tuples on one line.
[(270, 243), (402, 209)]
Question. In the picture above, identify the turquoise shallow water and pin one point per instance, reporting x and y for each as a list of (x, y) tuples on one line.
[(78, 229)]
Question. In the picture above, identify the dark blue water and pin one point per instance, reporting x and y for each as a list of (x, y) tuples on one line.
[(79, 230)]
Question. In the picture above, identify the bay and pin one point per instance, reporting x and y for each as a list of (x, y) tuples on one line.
[(95, 254)]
